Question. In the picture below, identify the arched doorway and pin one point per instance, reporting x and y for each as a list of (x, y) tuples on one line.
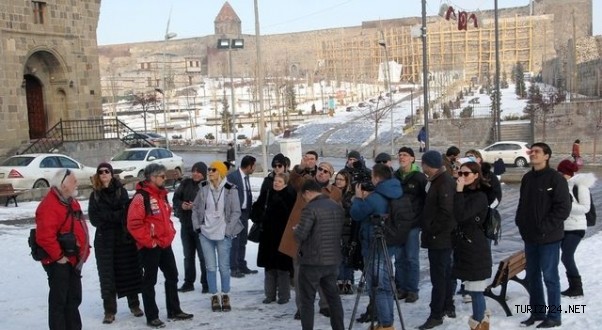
[(36, 113)]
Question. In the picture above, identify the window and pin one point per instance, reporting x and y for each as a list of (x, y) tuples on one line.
[(68, 163), (149, 82), (49, 162), (39, 11)]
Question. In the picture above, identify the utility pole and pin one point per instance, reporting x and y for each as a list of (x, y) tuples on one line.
[(260, 78), (425, 85), (498, 111)]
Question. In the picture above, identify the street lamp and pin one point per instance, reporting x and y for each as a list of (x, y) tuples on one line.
[(230, 44), (387, 75), (168, 35), (425, 86)]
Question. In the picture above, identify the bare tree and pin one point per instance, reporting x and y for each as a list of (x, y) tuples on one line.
[(376, 114), (461, 124), (541, 104), (145, 100)]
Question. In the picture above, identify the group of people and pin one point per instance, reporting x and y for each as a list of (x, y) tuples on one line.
[(318, 228)]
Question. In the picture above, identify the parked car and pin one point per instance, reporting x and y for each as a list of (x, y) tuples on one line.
[(350, 108), (511, 152), (36, 170), (131, 162), (134, 140)]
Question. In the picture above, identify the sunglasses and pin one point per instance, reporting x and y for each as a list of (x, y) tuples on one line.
[(278, 166), (321, 169), (381, 162), (211, 169), (460, 173), (162, 176), (105, 171), (67, 173)]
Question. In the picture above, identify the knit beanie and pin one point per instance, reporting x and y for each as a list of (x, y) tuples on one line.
[(432, 159), (354, 154), (220, 167), (567, 167), (105, 165), (382, 157), (279, 159), (407, 150), (200, 167)]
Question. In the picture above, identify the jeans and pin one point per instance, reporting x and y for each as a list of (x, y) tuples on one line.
[(569, 245), (239, 244), (222, 249), (407, 263), (543, 259), (152, 260), (376, 267), (442, 291), (64, 297), (478, 305), (324, 277), (191, 244), (345, 273)]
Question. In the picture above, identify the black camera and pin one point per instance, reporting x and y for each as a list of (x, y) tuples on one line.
[(359, 175), (377, 220), (68, 244)]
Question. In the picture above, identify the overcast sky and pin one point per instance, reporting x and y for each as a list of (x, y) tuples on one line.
[(123, 21)]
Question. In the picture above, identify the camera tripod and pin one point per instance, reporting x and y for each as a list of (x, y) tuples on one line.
[(377, 245)]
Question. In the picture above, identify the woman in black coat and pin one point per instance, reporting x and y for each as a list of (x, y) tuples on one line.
[(119, 271), (277, 204), (350, 246), (472, 254)]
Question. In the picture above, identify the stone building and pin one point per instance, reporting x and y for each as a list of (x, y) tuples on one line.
[(48, 67)]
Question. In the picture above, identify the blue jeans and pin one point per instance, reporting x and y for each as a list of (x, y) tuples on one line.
[(345, 273), (543, 259), (383, 296), (478, 305), (569, 245), (222, 248), (407, 263)]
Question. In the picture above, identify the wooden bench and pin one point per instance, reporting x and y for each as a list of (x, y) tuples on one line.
[(7, 190), (508, 270)]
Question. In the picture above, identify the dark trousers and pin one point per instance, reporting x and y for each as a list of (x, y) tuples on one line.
[(542, 262), (191, 245), (110, 304), (239, 244), (277, 281), (442, 291), (568, 246), (152, 260), (324, 277), (64, 297)]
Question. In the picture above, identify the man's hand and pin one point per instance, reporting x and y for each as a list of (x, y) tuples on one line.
[(359, 193), (187, 206), (63, 260)]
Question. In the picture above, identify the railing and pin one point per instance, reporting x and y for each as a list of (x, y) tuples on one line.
[(86, 130)]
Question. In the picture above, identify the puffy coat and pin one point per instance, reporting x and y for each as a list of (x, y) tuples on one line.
[(119, 270), (155, 228), (472, 253), (581, 203), (438, 215), (232, 208), (319, 232), (54, 216)]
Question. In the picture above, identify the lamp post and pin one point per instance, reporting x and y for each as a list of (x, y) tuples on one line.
[(230, 44), (425, 76), (168, 35), (498, 110), (412, 104), (387, 75)]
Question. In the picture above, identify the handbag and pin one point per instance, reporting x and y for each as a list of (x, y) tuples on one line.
[(255, 232)]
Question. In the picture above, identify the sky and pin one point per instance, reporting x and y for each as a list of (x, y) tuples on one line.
[(146, 20)]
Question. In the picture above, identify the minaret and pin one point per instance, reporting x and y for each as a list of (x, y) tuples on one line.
[(227, 23)]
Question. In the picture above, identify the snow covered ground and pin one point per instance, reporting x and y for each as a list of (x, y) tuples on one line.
[(23, 302)]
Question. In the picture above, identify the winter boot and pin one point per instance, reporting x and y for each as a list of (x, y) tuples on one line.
[(226, 303), (474, 324), (109, 318), (575, 287), (136, 311), (215, 305), (341, 286), (348, 289), (486, 321), (367, 316)]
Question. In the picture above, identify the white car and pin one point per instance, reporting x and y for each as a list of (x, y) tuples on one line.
[(36, 170), (131, 162), (511, 152)]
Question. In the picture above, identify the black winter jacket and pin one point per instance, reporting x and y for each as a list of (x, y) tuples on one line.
[(544, 204), (119, 270), (414, 185), (186, 192), (438, 216), (319, 232), (472, 253)]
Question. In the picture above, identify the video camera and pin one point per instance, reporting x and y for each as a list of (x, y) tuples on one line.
[(360, 175)]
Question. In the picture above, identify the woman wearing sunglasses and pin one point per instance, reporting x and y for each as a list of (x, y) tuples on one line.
[(472, 254), (119, 271), (216, 217)]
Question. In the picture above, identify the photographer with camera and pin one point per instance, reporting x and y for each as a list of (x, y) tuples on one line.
[(371, 202), (356, 167), (62, 232)]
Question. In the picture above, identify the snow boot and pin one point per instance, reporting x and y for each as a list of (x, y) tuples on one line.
[(575, 287)]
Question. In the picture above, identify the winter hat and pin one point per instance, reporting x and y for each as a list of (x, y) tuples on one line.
[(279, 159), (220, 167), (354, 154), (327, 166), (567, 167), (407, 150), (382, 157), (432, 159), (200, 167), (105, 165)]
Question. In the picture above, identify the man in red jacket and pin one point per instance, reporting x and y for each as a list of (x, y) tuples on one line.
[(60, 215), (149, 222)]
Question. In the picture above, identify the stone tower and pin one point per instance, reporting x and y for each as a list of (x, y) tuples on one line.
[(227, 22), (571, 17), (49, 67)]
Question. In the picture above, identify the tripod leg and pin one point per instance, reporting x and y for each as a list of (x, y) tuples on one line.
[(389, 266), (360, 290), (368, 266)]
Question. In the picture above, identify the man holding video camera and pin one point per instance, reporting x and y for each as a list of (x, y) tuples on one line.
[(370, 203)]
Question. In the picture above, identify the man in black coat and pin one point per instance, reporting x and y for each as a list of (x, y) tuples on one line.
[(544, 204), (319, 235), (437, 225), (182, 205)]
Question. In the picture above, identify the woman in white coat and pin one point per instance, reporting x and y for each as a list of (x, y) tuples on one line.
[(576, 224)]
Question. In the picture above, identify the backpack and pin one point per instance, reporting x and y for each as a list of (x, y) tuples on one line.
[(590, 216), (492, 226), (400, 219), (37, 252)]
